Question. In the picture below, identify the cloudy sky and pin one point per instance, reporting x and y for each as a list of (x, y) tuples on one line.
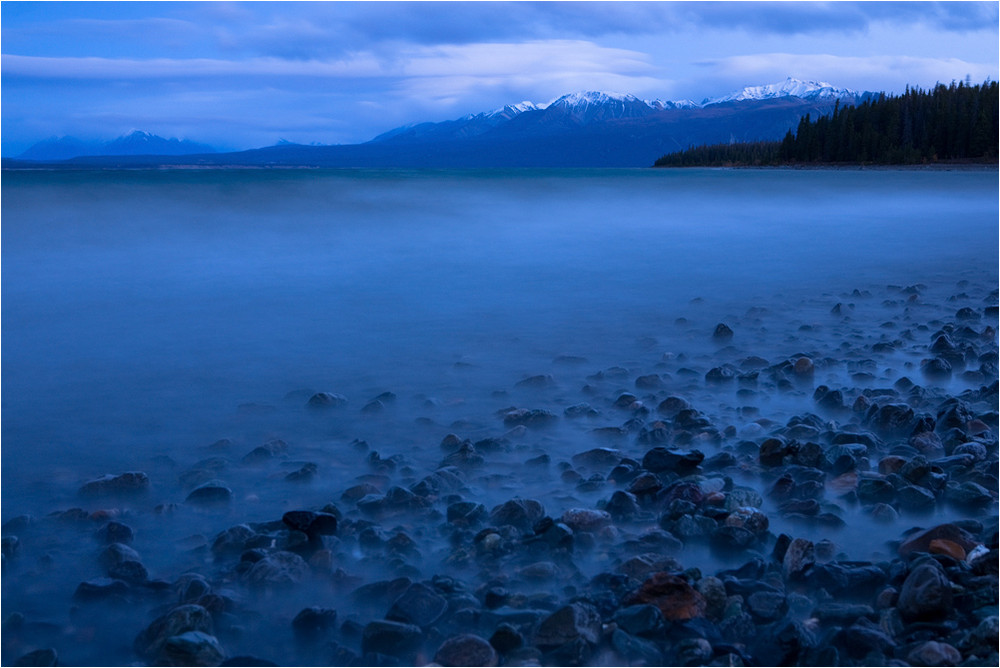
[(242, 75)]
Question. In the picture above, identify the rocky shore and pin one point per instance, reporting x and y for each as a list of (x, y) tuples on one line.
[(699, 517)]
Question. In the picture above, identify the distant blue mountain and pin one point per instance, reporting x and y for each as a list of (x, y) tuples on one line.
[(133, 144), (586, 129)]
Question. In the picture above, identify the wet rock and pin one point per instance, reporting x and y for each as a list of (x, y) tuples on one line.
[(721, 375), (102, 589), (864, 638), (326, 400), (211, 493), (419, 605), (722, 333), (519, 513), (915, 498), (131, 572), (312, 624), (193, 648), (393, 639), (933, 653), (584, 519), (506, 638), (936, 369), (671, 406), (799, 557), (537, 417), (115, 532), (581, 410), (640, 620), (39, 657), (466, 650), (661, 459), (921, 540), (234, 540), (766, 606), (178, 621), (673, 595), (311, 523), (277, 569), (466, 513), (891, 419), (926, 593), (304, 474), (130, 483), (636, 651), (574, 621), (266, 452), (116, 554), (969, 495)]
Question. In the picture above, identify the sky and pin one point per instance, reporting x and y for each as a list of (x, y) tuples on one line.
[(240, 75)]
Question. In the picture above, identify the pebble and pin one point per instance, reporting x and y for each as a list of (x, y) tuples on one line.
[(466, 650)]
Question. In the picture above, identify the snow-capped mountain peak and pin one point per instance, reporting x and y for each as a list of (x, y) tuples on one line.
[(790, 87), (589, 98)]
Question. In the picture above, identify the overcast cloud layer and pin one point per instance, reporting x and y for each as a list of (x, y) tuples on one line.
[(241, 75)]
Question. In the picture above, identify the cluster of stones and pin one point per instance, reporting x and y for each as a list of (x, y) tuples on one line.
[(510, 584)]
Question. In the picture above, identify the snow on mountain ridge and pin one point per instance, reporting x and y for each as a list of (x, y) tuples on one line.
[(790, 87)]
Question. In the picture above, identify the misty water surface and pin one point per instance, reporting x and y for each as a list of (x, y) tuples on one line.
[(148, 314)]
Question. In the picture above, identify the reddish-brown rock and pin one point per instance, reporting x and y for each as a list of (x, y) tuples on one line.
[(675, 598)]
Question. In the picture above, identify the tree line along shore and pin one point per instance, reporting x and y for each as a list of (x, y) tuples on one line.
[(946, 125)]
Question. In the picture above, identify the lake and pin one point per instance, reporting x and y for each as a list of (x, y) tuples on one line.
[(147, 315)]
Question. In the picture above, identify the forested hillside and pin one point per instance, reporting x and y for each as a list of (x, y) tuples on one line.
[(956, 123)]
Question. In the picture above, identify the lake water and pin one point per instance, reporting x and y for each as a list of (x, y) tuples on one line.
[(148, 314)]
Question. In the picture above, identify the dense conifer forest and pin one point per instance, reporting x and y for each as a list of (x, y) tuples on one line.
[(956, 123)]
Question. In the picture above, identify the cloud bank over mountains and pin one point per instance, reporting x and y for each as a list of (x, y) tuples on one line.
[(245, 74)]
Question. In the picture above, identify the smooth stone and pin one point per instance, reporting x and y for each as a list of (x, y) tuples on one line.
[(210, 493), (921, 540), (506, 638), (311, 523), (799, 556), (326, 400), (568, 624), (529, 417), (643, 619), (636, 651), (933, 653), (101, 589), (419, 605), (115, 554), (392, 638), (193, 648), (585, 519), (311, 624), (926, 593), (519, 513), (262, 453), (116, 532), (466, 650), (277, 569), (180, 620), (597, 458), (131, 482), (673, 595)]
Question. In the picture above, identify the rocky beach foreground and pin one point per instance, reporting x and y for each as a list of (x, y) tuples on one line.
[(834, 504)]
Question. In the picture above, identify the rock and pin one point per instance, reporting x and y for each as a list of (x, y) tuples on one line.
[(584, 519), (233, 540), (178, 621), (519, 513), (266, 452), (326, 400), (101, 589), (466, 650), (597, 459), (673, 595), (536, 382), (926, 593), (193, 648), (277, 569), (537, 417), (722, 333), (640, 620), (132, 572), (115, 554), (311, 523), (915, 497), (466, 513), (767, 606), (311, 624), (933, 653), (116, 532), (661, 459), (40, 657), (130, 483), (969, 495), (213, 492), (921, 540), (569, 623), (799, 556), (419, 605), (635, 651), (393, 639)]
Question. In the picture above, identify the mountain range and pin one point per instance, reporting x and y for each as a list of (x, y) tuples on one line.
[(585, 129), (136, 142)]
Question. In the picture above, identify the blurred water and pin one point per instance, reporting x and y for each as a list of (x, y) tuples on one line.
[(147, 314)]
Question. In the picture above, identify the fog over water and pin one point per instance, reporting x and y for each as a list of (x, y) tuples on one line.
[(148, 314)]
